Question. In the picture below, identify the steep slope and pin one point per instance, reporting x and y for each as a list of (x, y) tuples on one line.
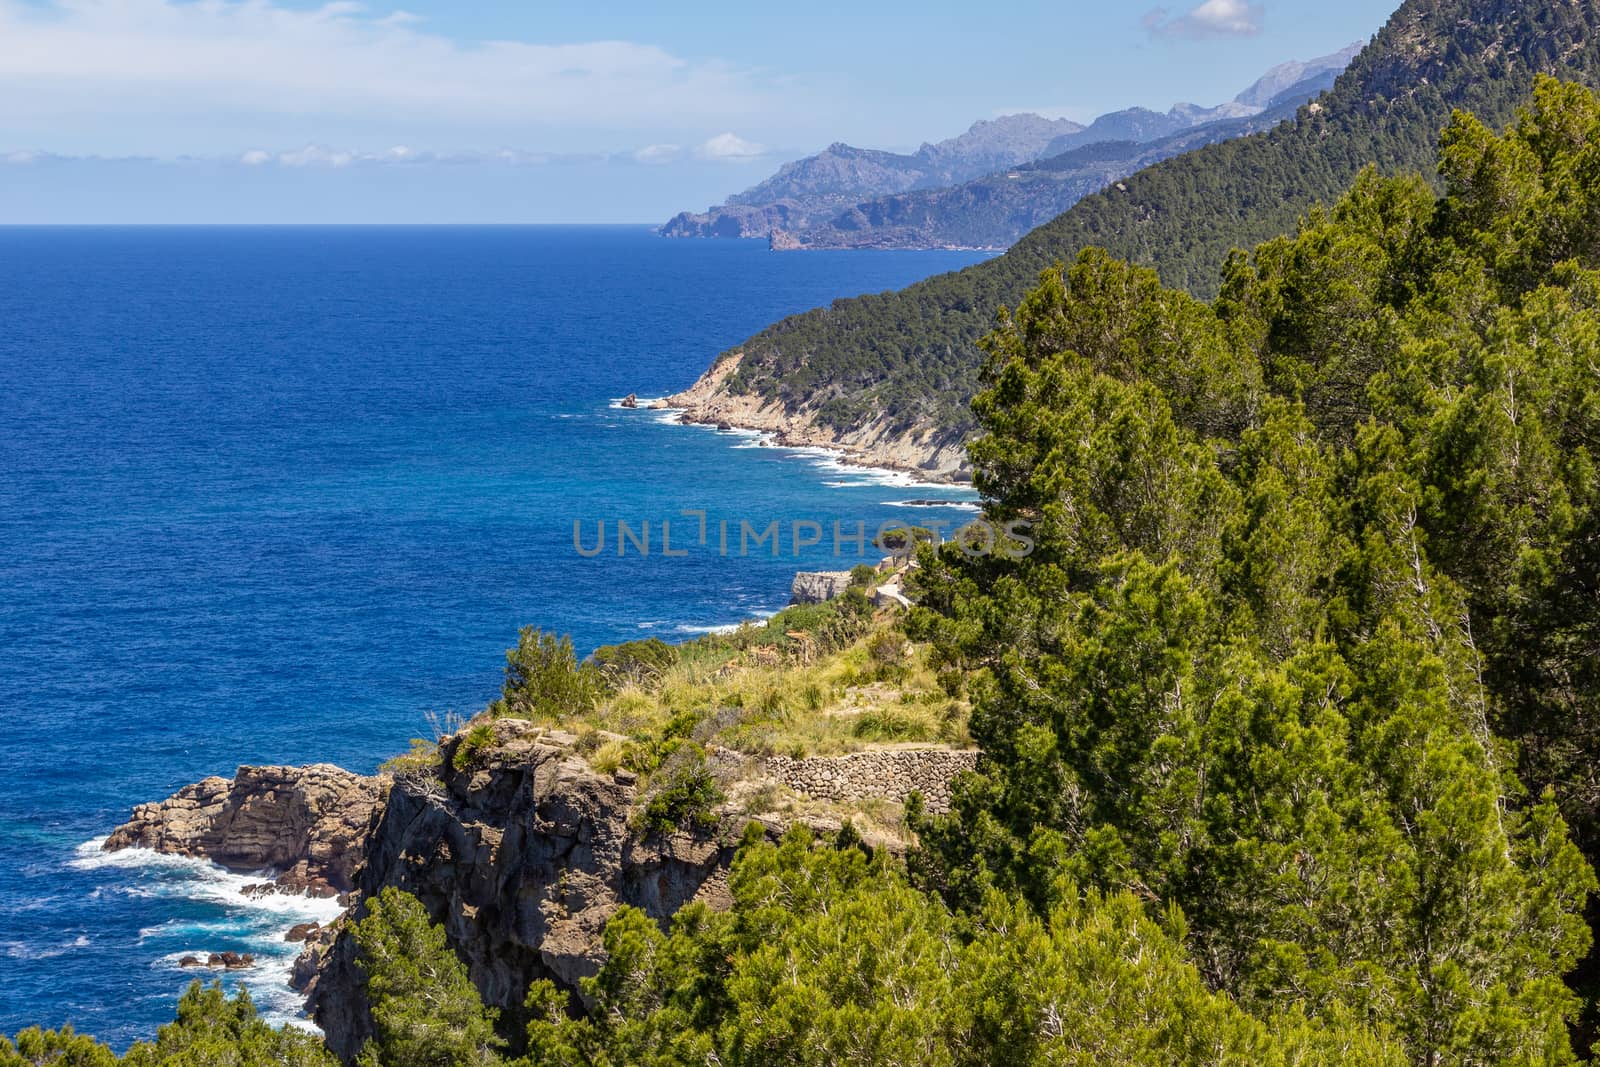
[(806, 194), (995, 211), (899, 367)]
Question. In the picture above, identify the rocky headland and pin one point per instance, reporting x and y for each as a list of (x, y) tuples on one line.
[(520, 848), (928, 453), (308, 825)]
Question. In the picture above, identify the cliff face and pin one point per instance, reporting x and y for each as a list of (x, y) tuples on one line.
[(932, 453), (523, 854), (522, 857), (307, 823)]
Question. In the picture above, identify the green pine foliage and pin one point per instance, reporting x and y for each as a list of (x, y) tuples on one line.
[(425, 1010), (911, 358), (1291, 630), (829, 956), (210, 1030), (1288, 719)]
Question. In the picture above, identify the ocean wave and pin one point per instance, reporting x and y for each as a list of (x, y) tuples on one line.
[(934, 502), (248, 923), (755, 615), (193, 878), (22, 950), (719, 628)]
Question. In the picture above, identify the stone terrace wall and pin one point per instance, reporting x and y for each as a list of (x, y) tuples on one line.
[(890, 773)]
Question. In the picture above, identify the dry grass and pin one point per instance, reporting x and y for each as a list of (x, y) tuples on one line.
[(744, 700)]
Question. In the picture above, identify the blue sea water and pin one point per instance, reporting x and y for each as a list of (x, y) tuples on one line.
[(273, 495)]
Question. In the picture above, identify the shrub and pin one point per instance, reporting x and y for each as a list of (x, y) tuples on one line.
[(638, 663), (898, 722), (423, 758), (886, 650), (479, 737), (683, 793), (544, 679)]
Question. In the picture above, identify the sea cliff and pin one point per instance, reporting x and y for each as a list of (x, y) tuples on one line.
[(928, 453), (519, 848)]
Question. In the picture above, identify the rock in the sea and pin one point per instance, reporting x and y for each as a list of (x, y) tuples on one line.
[(310, 823), (724, 425), (657, 405), (189, 961), (630, 401), (302, 931), (232, 961), (814, 587)]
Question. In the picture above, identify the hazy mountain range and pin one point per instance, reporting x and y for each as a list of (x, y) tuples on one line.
[(993, 183)]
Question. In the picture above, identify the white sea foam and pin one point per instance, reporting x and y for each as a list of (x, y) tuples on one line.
[(642, 403), (256, 922), (965, 505), (721, 628), (22, 950), (756, 615)]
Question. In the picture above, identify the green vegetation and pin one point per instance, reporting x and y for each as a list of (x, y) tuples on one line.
[(911, 357), (1287, 720), (425, 1010), (544, 679), (1307, 560), (814, 679), (210, 1031)]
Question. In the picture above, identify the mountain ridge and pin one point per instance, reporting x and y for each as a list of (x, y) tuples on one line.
[(815, 188), (887, 377)]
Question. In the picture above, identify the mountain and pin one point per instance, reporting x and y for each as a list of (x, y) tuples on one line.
[(842, 175), (890, 375), (811, 192), (1273, 84), (994, 211)]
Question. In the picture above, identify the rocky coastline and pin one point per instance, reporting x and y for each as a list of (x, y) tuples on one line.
[(522, 852), (929, 456)]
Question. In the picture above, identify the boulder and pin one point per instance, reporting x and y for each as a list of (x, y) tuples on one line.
[(302, 931), (630, 401), (232, 961), (814, 587)]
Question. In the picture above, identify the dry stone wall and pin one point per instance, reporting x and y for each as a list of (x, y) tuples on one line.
[(893, 774)]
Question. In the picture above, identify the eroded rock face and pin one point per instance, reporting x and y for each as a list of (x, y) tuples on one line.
[(523, 857), (308, 823), (814, 587)]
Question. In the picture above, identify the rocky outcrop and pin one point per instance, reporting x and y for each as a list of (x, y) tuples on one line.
[(309, 824), (523, 856), (523, 853), (931, 453), (815, 587)]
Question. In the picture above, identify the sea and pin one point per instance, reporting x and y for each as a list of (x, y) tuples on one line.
[(284, 495)]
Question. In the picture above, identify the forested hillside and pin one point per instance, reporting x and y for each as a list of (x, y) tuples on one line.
[(1285, 705), (997, 209), (908, 358)]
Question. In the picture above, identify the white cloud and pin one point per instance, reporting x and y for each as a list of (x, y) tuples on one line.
[(731, 148), (252, 70), (1212, 18), (658, 153)]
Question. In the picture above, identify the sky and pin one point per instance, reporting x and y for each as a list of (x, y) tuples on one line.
[(269, 111)]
